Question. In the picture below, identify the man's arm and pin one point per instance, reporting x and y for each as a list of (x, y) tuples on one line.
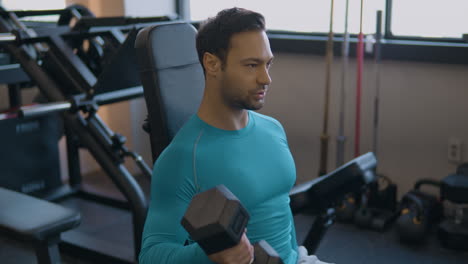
[(172, 188)]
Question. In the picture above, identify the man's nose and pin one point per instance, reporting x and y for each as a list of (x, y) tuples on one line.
[(264, 77)]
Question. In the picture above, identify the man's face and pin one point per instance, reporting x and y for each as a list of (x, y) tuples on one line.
[(245, 77)]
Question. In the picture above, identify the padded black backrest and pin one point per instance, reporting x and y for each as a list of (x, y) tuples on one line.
[(172, 79)]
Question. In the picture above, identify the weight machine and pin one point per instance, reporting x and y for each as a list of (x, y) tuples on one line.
[(75, 81)]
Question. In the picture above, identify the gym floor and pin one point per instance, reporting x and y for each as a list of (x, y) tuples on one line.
[(342, 244)]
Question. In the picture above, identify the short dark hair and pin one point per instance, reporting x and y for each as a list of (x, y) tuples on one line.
[(215, 33)]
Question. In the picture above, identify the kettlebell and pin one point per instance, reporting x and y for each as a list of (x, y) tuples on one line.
[(412, 224), (363, 216), (345, 211)]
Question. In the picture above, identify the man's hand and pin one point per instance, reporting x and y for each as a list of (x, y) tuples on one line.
[(242, 253)]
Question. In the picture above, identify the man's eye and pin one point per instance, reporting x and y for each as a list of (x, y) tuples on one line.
[(252, 65)]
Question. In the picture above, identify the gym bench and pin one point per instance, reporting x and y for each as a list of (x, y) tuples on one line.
[(35, 221)]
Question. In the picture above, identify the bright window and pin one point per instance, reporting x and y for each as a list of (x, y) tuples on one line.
[(298, 15), (35, 5), (429, 18)]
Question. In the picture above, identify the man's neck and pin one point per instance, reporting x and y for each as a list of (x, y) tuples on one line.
[(221, 116)]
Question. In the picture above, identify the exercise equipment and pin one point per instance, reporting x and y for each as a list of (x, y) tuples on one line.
[(346, 209), (75, 91), (453, 231), (172, 79), (354, 206), (324, 135), (90, 50), (360, 62), (73, 12), (37, 222), (216, 220), (321, 195), (419, 213), (377, 59), (32, 141), (341, 139), (378, 207)]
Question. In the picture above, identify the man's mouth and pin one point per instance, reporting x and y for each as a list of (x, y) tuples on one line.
[(260, 95)]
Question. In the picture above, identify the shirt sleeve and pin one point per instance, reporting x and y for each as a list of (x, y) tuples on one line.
[(164, 237)]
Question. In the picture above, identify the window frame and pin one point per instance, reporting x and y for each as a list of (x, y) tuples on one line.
[(400, 48)]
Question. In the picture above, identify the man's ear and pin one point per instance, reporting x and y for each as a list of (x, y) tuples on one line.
[(211, 63)]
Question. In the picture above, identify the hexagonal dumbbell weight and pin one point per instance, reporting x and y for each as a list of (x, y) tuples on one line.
[(216, 219)]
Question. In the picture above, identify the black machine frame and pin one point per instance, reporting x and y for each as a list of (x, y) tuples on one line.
[(74, 90)]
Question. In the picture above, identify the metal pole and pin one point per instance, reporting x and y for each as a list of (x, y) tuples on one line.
[(360, 62), (329, 60), (377, 59), (341, 139)]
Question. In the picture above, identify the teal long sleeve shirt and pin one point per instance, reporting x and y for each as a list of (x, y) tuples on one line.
[(254, 163)]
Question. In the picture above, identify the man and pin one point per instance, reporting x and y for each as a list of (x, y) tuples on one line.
[(226, 143)]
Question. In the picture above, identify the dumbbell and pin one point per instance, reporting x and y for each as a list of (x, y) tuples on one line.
[(216, 220)]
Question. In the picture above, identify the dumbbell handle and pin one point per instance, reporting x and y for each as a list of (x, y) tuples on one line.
[(199, 222), (265, 254)]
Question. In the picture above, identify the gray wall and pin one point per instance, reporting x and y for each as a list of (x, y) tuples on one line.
[(422, 106)]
